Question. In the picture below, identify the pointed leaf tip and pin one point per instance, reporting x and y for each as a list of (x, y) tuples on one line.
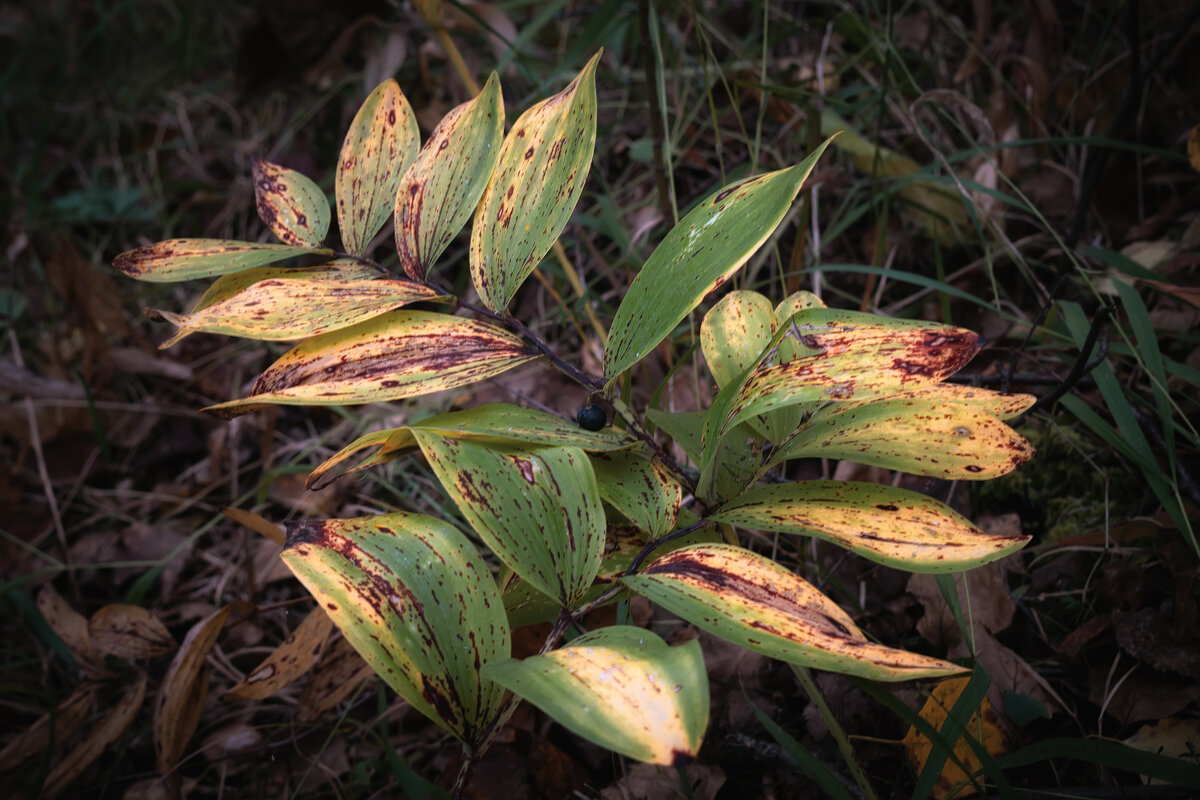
[(380, 145), (537, 182)]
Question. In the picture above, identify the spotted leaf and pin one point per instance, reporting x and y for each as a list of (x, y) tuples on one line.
[(849, 356), (338, 269), (891, 526), (698, 255), (621, 687), (396, 355), (286, 309), (416, 600), (538, 510), (751, 601), (640, 488), (292, 206), (494, 423), (381, 143), (441, 189), (537, 182), (928, 437), (184, 259)]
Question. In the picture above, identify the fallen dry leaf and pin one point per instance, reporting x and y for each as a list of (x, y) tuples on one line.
[(66, 718), (338, 674), (100, 737), (185, 687), (72, 628), (983, 726), (129, 631), (290, 660)]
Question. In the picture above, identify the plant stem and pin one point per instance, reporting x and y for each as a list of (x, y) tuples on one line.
[(836, 731)]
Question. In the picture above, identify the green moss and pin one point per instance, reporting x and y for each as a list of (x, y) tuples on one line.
[(1070, 486)]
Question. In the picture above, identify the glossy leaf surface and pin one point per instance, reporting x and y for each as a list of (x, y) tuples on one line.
[(441, 189), (753, 602), (891, 526), (919, 436), (184, 259), (281, 310), (543, 164), (538, 510), (292, 206), (622, 688), (640, 488), (697, 256), (380, 145), (416, 600), (495, 423), (396, 355)]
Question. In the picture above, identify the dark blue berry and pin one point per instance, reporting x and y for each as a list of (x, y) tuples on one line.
[(591, 418)]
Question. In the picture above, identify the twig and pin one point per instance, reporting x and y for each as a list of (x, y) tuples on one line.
[(1083, 364)]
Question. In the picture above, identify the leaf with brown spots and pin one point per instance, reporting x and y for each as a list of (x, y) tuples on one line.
[(184, 259), (640, 488), (495, 423), (538, 510), (294, 208), (751, 601), (891, 526), (699, 254), (281, 310), (849, 356), (339, 269), (928, 437), (185, 687), (543, 164), (395, 355), (128, 631), (289, 661), (736, 331), (381, 143), (441, 189), (416, 600), (621, 687)]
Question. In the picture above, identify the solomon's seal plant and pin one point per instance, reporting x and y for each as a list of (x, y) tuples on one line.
[(579, 513)]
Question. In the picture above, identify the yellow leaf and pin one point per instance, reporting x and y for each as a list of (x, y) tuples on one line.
[(280, 310), (396, 355), (983, 727)]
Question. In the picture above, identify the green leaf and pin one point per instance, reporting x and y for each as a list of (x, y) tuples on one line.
[(184, 259), (751, 601), (543, 164), (494, 423), (417, 602), (381, 143), (284, 309), (640, 488), (622, 688), (922, 437), (735, 332), (294, 208), (737, 457), (697, 256), (396, 355), (887, 525), (441, 189), (538, 510)]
